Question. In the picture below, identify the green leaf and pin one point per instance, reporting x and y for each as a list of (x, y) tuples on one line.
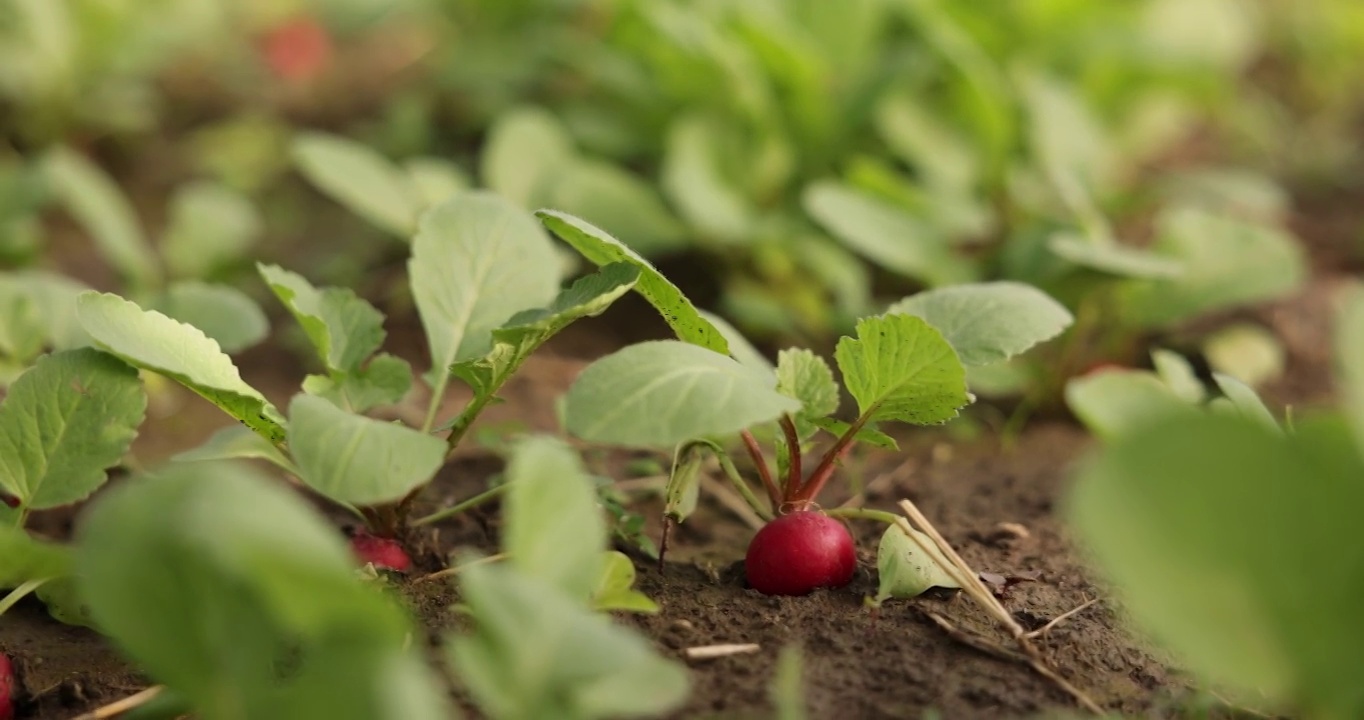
[(354, 459), (600, 248), (24, 558), (64, 422), (554, 530), (885, 234), (900, 368), (525, 147), (384, 381), (684, 480), (1114, 259), (52, 298), (210, 226), (225, 314), (989, 322), (1065, 136), (1179, 376), (926, 142), (527, 330), (787, 690), (661, 393), (905, 571), (343, 327), (868, 434), (807, 377), (1228, 262), (1244, 401), (236, 442), (361, 179), (1114, 403), (1246, 351), (435, 180), (693, 178), (1349, 357), (476, 261), (610, 196), (151, 341), (615, 589), (739, 347), (22, 332), (537, 653), (1211, 528), (95, 201), (210, 576)]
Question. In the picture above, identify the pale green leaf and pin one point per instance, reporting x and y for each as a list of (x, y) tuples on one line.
[(1113, 403), (96, 202), (354, 459), (1240, 192), (384, 381), (1248, 352), (787, 690), (901, 368), (22, 327), (476, 261), (610, 196), (151, 341), (1244, 401), (601, 248), (554, 530), (868, 434), (1114, 259), (66, 420), (537, 653), (236, 442), (807, 377), (53, 300), (524, 148), (661, 393), (1228, 262), (223, 313), (210, 226), (343, 327), (989, 322), (1234, 546), (361, 179), (906, 571), (24, 558), (1065, 137), (885, 234), (932, 146), (739, 346), (693, 178), (208, 574), (435, 180), (615, 587), (1179, 376)]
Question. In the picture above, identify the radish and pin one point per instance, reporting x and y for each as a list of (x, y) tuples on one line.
[(799, 552), (382, 552), (7, 687)]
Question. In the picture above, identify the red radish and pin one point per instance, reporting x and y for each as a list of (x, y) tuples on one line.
[(384, 553), (799, 552), (9, 500), (297, 50), (7, 688)]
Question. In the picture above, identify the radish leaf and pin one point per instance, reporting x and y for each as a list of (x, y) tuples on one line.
[(235, 442), (900, 368), (661, 393), (355, 459), (63, 422), (96, 202), (989, 322), (525, 148), (384, 381), (210, 226), (554, 530), (224, 313), (149, 340), (615, 589), (361, 179), (1117, 402), (344, 328)]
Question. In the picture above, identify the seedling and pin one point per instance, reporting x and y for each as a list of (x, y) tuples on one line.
[(905, 366)]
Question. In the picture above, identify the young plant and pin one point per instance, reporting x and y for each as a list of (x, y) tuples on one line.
[(904, 366)]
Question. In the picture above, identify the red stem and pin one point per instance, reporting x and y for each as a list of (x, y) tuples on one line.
[(794, 474), (756, 453), (825, 470)]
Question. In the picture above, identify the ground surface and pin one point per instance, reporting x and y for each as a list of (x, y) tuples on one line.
[(894, 665)]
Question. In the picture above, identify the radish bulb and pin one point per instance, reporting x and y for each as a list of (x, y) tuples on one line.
[(799, 552), (8, 687)]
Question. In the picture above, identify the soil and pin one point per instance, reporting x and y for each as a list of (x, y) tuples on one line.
[(893, 664)]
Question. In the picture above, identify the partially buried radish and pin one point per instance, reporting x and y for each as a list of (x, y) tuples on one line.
[(799, 552), (7, 684), (383, 552)]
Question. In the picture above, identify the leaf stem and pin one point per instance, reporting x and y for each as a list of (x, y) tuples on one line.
[(882, 516), (825, 470), (453, 510), (794, 474), (756, 453), (437, 396), (460, 427), (742, 486), (19, 593)]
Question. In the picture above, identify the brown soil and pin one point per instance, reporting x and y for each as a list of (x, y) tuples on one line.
[(857, 665)]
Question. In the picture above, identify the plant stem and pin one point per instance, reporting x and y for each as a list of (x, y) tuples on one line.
[(794, 474), (437, 395), (460, 427), (19, 593), (742, 487), (756, 453), (453, 510), (888, 518), (456, 569), (825, 470)]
